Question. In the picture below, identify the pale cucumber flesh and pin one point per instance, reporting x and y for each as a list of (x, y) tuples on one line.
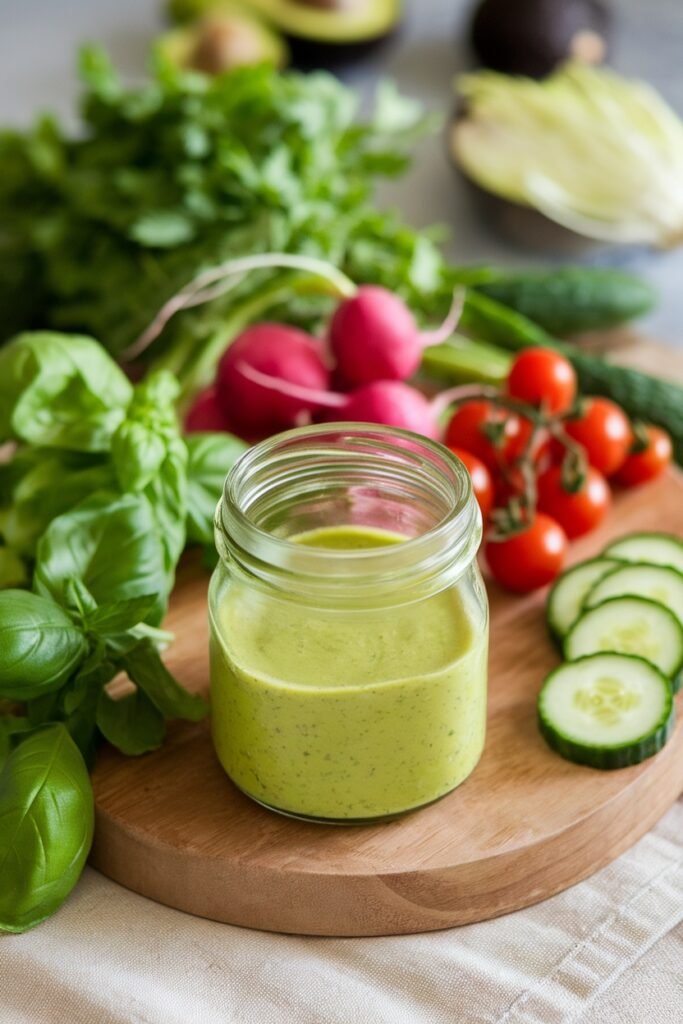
[(658, 582), (606, 710), (654, 548), (629, 625)]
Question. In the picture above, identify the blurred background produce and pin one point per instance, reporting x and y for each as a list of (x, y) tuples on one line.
[(424, 58), (531, 37)]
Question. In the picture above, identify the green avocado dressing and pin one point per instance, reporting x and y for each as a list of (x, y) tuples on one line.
[(346, 714)]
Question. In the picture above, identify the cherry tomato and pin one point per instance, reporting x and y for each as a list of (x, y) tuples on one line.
[(648, 464), (531, 558), (466, 430), (482, 485), (577, 512), (544, 378), (604, 431)]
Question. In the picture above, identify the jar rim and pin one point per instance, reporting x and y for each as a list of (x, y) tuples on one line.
[(450, 544)]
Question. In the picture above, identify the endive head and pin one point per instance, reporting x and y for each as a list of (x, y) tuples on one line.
[(593, 151)]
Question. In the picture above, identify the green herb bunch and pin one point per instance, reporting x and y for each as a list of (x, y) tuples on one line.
[(94, 497), (166, 179)]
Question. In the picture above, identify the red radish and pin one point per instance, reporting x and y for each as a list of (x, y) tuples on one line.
[(393, 403), (390, 402), (206, 414), (374, 336), (275, 351)]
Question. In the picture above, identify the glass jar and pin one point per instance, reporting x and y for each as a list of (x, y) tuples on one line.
[(349, 624)]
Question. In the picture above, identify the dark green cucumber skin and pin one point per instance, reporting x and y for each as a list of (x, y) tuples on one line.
[(606, 758), (610, 758), (642, 396), (573, 299)]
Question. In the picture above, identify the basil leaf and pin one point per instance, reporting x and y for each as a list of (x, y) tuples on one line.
[(150, 456), (146, 669), (137, 453), (40, 646), (79, 700), (60, 390), (54, 484), (78, 599), (167, 495), (132, 724), (119, 616), (110, 542), (47, 815), (211, 456), (140, 444)]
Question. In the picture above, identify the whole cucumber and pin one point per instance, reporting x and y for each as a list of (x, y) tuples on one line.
[(572, 299)]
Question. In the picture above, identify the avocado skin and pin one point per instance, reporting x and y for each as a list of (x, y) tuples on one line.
[(181, 11), (312, 55), (531, 37)]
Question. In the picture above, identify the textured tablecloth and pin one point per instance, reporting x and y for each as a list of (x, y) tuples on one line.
[(608, 951)]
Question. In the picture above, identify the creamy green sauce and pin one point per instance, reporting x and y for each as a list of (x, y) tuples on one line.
[(346, 714)]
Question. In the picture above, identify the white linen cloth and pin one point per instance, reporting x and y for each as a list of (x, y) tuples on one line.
[(607, 951)]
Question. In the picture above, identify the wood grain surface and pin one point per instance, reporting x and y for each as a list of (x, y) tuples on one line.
[(527, 824)]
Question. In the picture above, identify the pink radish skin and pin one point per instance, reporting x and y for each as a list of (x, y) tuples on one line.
[(394, 404), (206, 414), (276, 351), (390, 402), (374, 336)]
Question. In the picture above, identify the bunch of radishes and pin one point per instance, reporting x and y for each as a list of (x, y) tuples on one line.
[(273, 377)]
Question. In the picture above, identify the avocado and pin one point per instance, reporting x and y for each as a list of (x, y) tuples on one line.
[(531, 37), (314, 28), (219, 42)]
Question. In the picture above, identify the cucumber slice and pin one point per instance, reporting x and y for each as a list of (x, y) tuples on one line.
[(606, 710), (654, 548), (568, 593), (658, 582), (629, 625)]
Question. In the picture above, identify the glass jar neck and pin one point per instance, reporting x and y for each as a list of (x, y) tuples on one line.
[(340, 475)]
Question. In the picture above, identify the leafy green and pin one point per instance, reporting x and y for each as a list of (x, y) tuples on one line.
[(115, 617), (40, 646), (110, 543), (133, 724), (211, 456), (148, 672), (46, 826), (53, 392), (55, 482), (163, 180), (150, 457)]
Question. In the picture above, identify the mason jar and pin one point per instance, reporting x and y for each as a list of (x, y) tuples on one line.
[(349, 624)]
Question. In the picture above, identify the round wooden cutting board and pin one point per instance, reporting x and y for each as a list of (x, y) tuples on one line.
[(527, 824)]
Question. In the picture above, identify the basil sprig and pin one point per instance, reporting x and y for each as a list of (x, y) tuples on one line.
[(93, 510)]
